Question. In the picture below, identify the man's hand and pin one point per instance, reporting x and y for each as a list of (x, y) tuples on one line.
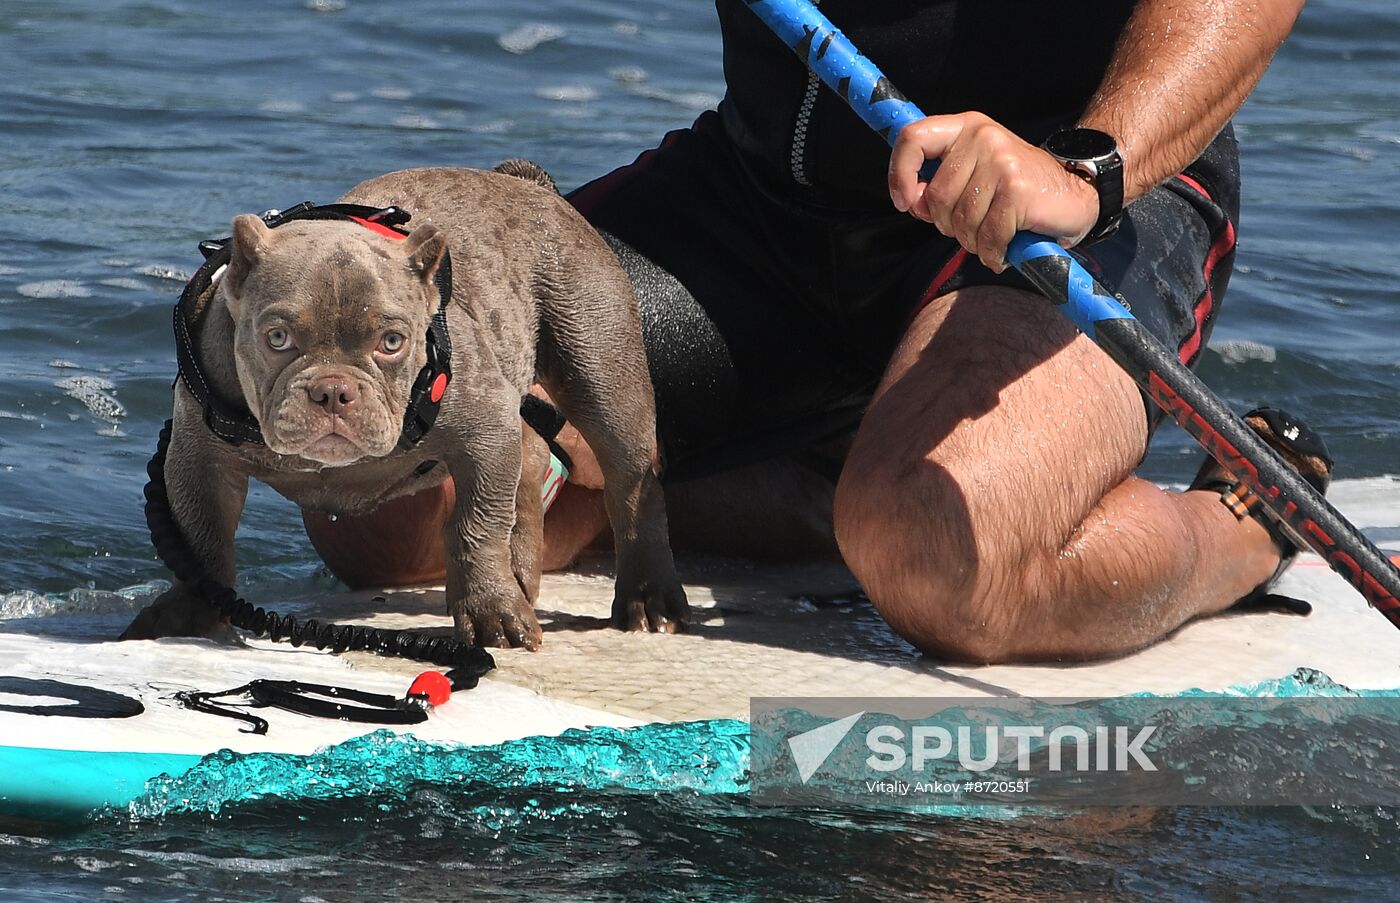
[(990, 185)]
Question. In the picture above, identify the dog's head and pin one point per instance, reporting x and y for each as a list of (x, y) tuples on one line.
[(330, 321)]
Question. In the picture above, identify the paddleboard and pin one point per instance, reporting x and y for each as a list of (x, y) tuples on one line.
[(88, 723)]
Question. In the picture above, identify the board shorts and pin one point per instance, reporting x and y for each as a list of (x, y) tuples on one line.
[(769, 321)]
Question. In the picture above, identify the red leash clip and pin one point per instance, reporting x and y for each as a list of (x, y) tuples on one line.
[(430, 687)]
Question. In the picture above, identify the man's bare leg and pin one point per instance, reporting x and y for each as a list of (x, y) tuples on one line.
[(988, 507), (777, 510), (398, 544)]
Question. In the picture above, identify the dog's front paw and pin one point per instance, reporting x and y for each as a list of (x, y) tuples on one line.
[(179, 611), (653, 602), (507, 621)]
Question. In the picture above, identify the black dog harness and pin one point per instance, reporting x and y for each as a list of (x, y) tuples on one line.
[(236, 425)]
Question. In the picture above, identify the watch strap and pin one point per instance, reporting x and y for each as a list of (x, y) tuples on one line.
[(1093, 156), (1109, 185)]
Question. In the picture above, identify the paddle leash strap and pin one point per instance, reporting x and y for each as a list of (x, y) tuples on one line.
[(1308, 518), (316, 700)]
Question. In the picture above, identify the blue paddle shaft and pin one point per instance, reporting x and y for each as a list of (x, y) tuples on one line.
[(878, 102), (836, 61), (1304, 514)]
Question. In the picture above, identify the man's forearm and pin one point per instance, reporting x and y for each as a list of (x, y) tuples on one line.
[(1181, 70)]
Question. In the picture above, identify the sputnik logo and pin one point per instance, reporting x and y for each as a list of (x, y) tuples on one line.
[(811, 749)]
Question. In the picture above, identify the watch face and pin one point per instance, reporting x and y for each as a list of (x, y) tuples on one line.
[(1081, 144)]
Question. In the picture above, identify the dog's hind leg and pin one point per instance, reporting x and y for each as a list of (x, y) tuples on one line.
[(592, 364)]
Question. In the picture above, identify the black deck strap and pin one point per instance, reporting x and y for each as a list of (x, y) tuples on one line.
[(545, 419), (84, 702)]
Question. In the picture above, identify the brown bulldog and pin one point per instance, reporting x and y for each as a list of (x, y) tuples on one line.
[(321, 330)]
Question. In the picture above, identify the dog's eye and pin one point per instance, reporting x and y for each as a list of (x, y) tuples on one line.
[(278, 339), (391, 343)]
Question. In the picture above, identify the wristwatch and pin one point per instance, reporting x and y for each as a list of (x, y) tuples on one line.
[(1093, 156)]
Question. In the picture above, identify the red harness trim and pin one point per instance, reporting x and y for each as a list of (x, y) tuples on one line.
[(380, 228)]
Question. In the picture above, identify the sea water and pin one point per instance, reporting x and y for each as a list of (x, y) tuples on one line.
[(131, 130)]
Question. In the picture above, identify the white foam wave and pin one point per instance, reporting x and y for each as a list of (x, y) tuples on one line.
[(691, 100), (54, 288), (416, 121), (1238, 351), (174, 274), (490, 127), (282, 106), (10, 840), (124, 282), (628, 75), (528, 37), (95, 394), (29, 604), (568, 93), (239, 863)]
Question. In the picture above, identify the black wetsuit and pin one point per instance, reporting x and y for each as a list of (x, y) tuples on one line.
[(1030, 66), (774, 275)]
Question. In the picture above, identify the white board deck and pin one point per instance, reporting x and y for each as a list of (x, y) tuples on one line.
[(755, 632)]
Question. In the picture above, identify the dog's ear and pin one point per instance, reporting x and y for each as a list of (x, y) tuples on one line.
[(251, 239), (425, 247)]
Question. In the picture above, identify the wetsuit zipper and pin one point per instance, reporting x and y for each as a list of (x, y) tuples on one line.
[(798, 157)]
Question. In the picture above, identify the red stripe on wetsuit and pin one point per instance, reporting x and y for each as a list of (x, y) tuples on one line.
[(1224, 244)]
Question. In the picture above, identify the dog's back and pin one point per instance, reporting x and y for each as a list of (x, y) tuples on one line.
[(528, 170)]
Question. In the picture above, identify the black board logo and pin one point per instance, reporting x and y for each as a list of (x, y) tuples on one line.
[(85, 702)]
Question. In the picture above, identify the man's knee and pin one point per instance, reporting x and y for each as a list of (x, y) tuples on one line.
[(933, 599), (913, 548)]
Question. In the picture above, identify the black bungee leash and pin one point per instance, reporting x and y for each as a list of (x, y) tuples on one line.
[(467, 662)]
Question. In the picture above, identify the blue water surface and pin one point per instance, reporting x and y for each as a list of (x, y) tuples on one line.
[(131, 129)]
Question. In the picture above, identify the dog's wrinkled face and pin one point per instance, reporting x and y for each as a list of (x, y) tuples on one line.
[(330, 320)]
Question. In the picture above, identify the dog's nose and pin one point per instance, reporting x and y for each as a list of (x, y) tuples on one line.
[(334, 393)]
